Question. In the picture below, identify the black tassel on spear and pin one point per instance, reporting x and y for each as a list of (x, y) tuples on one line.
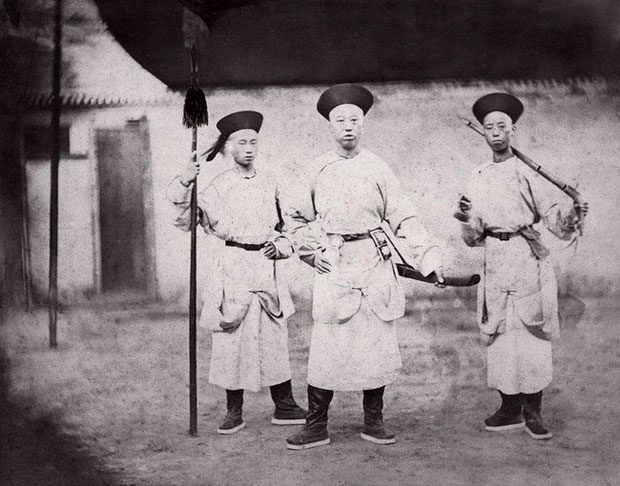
[(195, 114)]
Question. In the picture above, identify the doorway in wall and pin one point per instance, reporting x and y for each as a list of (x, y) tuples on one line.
[(125, 203)]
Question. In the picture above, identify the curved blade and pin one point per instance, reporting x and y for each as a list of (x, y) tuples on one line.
[(410, 272)]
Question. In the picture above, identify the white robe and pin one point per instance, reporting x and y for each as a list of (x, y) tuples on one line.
[(354, 344), (517, 298), (244, 287)]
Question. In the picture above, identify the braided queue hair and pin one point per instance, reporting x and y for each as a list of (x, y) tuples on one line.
[(217, 147)]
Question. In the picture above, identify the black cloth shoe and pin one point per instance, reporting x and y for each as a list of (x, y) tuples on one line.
[(374, 428), (500, 421), (233, 422), (287, 411), (508, 416), (533, 420), (314, 432)]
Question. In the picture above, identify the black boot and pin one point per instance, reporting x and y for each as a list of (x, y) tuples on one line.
[(508, 416), (374, 428), (233, 421), (533, 421), (287, 411), (314, 433)]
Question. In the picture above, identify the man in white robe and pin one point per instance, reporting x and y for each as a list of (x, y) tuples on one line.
[(517, 298), (245, 302), (357, 295)]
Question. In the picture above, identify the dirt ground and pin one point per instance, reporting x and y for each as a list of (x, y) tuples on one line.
[(110, 406)]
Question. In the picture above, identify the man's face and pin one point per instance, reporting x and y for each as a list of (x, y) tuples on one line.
[(498, 130), (243, 146), (347, 122)]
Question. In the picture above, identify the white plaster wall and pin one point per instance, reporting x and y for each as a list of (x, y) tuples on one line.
[(572, 130), (76, 263)]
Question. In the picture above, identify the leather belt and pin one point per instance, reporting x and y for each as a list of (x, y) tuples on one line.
[(355, 236), (502, 235), (246, 246)]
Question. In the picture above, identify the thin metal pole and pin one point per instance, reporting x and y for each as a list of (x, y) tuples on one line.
[(54, 162)]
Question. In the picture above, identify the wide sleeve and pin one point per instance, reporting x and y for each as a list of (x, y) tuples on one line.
[(280, 239), (422, 249), (298, 213), (554, 209), (472, 231), (180, 197), (472, 225)]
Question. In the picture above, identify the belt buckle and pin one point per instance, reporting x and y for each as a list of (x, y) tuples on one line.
[(381, 243), (504, 236)]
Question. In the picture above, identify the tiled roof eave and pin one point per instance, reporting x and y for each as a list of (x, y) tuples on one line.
[(87, 100), (592, 85)]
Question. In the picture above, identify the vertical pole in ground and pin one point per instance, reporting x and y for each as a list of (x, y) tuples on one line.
[(54, 163), (193, 387), (194, 115)]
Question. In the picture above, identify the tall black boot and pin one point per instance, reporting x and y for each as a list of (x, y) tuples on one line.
[(508, 416), (533, 420), (233, 422), (287, 411), (374, 428), (314, 433)]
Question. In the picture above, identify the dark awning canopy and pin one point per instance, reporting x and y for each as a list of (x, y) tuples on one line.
[(211, 10), (265, 42)]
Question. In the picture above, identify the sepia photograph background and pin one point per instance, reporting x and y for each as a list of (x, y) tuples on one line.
[(109, 404)]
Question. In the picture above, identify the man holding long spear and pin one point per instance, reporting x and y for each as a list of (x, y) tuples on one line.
[(245, 302), (517, 301)]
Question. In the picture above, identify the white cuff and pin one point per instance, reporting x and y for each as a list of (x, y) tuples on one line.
[(178, 193), (431, 261), (283, 246)]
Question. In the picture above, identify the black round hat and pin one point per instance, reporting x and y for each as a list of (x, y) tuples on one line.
[(240, 120), (503, 102), (341, 94)]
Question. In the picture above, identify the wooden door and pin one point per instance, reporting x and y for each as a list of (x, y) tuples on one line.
[(123, 160)]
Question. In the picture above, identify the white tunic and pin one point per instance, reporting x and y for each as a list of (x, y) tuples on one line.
[(354, 344), (243, 289), (517, 299)]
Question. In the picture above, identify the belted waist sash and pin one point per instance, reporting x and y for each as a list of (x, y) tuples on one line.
[(531, 236), (246, 246), (502, 235), (352, 236)]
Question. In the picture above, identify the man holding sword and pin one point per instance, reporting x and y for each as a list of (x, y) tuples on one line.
[(357, 295)]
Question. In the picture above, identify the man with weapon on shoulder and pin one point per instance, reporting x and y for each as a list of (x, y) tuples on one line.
[(246, 303), (517, 301)]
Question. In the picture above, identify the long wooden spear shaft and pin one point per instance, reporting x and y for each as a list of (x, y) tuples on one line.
[(54, 163), (193, 386), (194, 115), (568, 190)]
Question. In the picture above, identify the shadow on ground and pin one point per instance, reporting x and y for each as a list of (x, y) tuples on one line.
[(35, 451)]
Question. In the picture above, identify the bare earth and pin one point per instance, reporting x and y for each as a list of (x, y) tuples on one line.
[(110, 406)]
